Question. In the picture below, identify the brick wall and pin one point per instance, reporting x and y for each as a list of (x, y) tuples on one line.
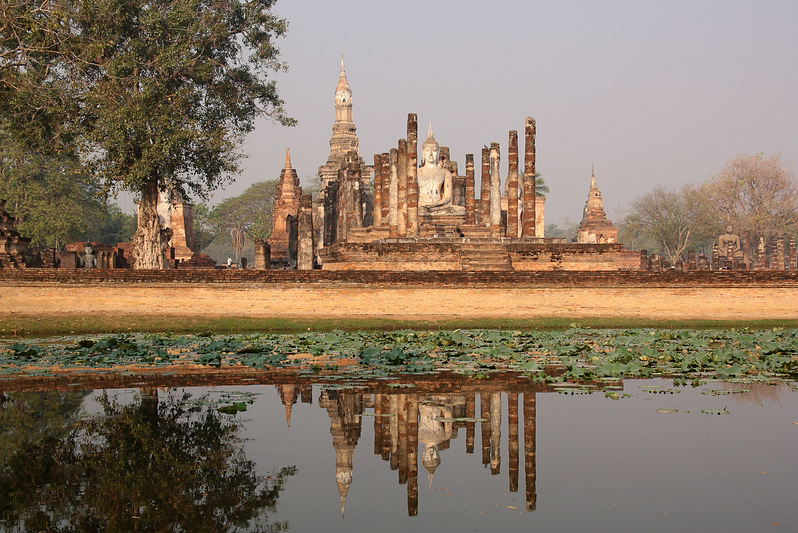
[(749, 278)]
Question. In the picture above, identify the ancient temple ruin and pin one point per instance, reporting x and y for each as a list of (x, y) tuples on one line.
[(286, 207), (406, 212), (413, 209), (595, 228)]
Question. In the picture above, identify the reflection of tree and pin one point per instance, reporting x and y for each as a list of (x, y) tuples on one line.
[(169, 465), (32, 428)]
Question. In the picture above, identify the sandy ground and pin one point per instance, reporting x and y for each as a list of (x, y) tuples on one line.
[(408, 303)]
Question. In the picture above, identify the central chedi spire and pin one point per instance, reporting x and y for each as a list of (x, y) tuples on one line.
[(344, 138)]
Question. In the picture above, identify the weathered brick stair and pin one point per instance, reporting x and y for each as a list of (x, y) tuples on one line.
[(484, 256)]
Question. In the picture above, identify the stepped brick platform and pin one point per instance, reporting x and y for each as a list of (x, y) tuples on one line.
[(477, 254)]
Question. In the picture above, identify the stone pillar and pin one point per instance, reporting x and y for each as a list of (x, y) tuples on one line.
[(402, 453), (512, 438), (393, 425), (331, 214), (778, 255), (318, 225), (512, 186), (495, 191), (378, 423), (761, 251), (262, 258), (387, 439), (386, 188), (393, 198), (305, 246), (530, 468), (791, 255), (350, 210), (412, 175), (412, 454), (643, 260), (484, 190), (292, 223), (746, 244), (469, 189), (529, 195), (402, 170), (470, 425), (715, 257), (691, 261), (484, 414), (495, 433), (377, 189)]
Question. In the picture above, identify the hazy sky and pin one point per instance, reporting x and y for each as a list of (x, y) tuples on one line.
[(650, 92)]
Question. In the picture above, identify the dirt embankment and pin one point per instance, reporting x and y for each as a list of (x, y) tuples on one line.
[(422, 302)]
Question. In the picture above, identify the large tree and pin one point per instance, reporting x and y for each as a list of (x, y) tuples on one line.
[(753, 193), (155, 95), (667, 217)]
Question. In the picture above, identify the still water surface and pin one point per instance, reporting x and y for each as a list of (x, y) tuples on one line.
[(486, 457)]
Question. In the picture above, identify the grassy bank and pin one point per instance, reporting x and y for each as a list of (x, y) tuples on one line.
[(92, 323)]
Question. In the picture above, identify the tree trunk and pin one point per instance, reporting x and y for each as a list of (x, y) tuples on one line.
[(151, 240)]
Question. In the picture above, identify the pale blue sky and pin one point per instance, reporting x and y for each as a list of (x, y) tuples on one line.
[(650, 92)]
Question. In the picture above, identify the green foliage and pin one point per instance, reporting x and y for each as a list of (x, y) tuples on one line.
[(51, 197), (114, 227), (541, 189), (152, 95), (204, 231), (165, 464), (252, 211), (577, 354), (565, 229)]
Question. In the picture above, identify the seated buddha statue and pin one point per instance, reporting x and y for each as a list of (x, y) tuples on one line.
[(435, 182)]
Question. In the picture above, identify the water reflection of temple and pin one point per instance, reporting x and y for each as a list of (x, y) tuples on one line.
[(417, 427)]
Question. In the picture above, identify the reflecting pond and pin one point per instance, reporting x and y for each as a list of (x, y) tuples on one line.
[(425, 455)]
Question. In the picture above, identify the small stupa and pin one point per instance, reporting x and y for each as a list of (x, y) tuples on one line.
[(595, 228)]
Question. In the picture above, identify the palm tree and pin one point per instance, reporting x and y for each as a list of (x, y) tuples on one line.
[(540, 184)]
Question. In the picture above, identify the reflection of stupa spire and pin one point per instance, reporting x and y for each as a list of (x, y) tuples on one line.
[(344, 411), (289, 394), (344, 480)]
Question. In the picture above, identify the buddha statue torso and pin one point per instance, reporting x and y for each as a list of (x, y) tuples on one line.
[(435, 182)]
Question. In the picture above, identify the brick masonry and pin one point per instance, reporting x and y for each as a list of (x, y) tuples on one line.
[(511, 279)]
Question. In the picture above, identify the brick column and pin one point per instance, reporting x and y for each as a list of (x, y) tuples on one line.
[(402, 171), (377, 189), (484, 189), (412, 454), (512, 438), (469, 189), (529, 219), (386, 188), (530, 452), (412, 175), (512, 186), (761, 255), (778, 254), (305, 245), (393, 199), (495, 191)]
